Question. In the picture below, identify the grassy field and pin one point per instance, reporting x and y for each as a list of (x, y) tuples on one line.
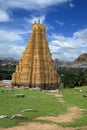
[(43, 103), (74, 97)]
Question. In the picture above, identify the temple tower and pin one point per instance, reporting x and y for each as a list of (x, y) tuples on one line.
[(36, 67)]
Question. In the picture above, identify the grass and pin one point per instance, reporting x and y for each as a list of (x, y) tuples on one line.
[(74, 97), (43, 103)]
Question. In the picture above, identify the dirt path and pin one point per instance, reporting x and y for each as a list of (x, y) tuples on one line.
[(73, 113), (59, 97), (38, 126)]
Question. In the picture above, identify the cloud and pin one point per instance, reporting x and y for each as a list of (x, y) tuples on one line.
[(73, 24), (69, 48), (63, 42), (9, 36), (27, 4), (82, 34), (49, 27), (9, 41), (59, 22), (38, 5), (16, 50), (4, 16), (71, 5)]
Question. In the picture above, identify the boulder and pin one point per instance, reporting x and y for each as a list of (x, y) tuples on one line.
[(77, 88), (26, 87), (85, 95), (17, 116), (29, 110), (3, 116), (80, 90), (53, 91), (19, 95)]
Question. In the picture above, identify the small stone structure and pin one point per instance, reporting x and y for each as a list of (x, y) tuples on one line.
[(19, 95)]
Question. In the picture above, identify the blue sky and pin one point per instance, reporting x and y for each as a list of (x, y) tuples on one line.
[(65, 21)]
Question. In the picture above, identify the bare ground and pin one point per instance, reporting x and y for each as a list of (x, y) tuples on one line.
[(38, 126), (59, 97), (73, 113)]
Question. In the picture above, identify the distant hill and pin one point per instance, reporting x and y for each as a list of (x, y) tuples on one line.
[(81, 58), (80, 62), (62, 63), (9, 61)]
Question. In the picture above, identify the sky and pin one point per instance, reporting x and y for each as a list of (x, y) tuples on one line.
[(65, 21)]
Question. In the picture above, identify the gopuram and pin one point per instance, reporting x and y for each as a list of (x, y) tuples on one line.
[(36, 67)]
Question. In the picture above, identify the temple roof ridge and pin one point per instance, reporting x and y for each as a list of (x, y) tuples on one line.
[(37, 22)]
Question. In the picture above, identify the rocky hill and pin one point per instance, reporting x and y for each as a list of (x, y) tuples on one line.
[(80, 62), (82, 58), (62, 63)]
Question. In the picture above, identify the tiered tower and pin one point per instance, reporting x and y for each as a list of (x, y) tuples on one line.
[(36, 67)]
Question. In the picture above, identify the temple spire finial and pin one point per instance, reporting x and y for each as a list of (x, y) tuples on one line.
[(38, 20), (35, 22)]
